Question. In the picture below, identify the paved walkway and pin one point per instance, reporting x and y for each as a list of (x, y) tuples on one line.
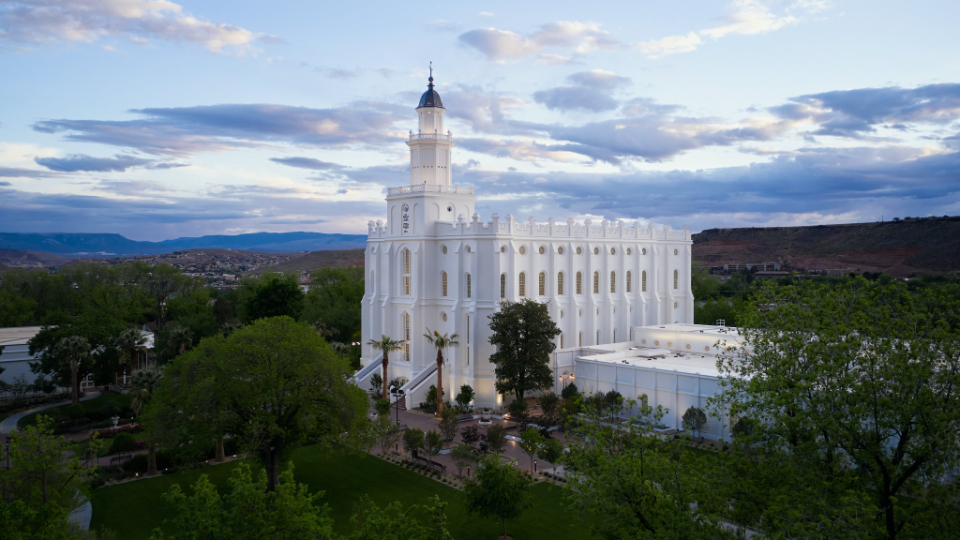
[(10, 423), (83, 514)]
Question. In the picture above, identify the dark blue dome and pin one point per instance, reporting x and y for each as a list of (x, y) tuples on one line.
[(430, 98)]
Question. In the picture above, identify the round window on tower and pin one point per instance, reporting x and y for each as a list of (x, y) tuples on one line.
[(675, 305), (596, 251), (613, 251), (560, 250), (444, 316), (643, 251), (503, 249), (579, 250), (543, 250), (444, 250), (629, 251), (469, 249), (449, 209), (523, 249), (676, 252)]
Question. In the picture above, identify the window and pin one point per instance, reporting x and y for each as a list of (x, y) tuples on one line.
[(598, 337), (613, 251), (443, 283), (444, 250), (614, 335), (560, 283), (503, 285), (643, 281), (468, 340), (523, 284), (596, 282), (579, 250), (596, 251), (676, 278), (613, 282), (629, 281), (406, 271), (542, 282), (373, 282), (561, 341), (406, 336), (560, 250), (543, 250), (523, 250), (469, 286), (580, 339), (579, 283)]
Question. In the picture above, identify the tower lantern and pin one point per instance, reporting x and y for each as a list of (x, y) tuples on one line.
[(430, 147)]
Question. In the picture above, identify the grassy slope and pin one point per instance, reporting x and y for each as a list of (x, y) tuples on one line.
[(91, 405), (133, 509), (316, 260)]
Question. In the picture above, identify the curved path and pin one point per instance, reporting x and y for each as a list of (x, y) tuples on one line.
[(10, 423)]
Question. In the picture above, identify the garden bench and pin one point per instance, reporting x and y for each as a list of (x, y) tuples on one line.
[(119, 459), (464, 417), (440, 466)]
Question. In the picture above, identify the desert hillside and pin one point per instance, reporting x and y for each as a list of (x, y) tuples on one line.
[(900, 248)]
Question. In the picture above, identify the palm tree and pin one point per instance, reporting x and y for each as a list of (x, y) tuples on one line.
[(179, 340), (325, 331), (72, 350), (145, 383), (130, 342), (386, 344), (441, 342)]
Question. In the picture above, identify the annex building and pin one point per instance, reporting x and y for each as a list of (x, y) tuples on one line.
[(433, 263)]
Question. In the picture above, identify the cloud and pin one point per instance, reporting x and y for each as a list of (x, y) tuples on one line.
[(855, 113), (50, 22), (500, 45), (188, 130), (4, 183), (750, 17), (520, 150), (307, 163), (16, 172), (590, 91), (84, 163)]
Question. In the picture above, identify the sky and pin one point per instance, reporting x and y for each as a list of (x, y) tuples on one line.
[(158, 120)]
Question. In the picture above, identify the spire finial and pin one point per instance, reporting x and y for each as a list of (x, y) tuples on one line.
[(430, 80)]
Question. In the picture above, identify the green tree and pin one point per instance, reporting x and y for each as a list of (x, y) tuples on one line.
[(334, 298), (143, 385), (441, 342), (386, 345), (376, 383), (695, 420), (462, 456), (853, 389), (448, 424), (386, 433), (465, 396), (550, 405), (42, 487), (569, 391), (281, 383), (275, 295), (498, 490), (496, 438), (523, 334), (392, 522), (629, 482), (433, 443), (131, 343), (531, 441), (15, 310), (162, 283), (551, 451), (249, 511), (73, 350), (178, 340), (413, 440)]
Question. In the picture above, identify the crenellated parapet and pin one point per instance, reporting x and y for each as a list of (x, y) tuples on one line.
[(551, 229)]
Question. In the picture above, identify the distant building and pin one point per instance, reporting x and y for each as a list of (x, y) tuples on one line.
[(15, 356), (761, 267)]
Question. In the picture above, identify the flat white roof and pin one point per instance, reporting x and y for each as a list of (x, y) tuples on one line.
[(18, 335)]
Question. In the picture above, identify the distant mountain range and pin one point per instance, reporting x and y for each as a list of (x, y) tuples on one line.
[(115, 245)]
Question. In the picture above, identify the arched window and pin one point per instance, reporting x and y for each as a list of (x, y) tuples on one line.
[(503, 285), (373, 281), (469, 286), (676, 279), (579, 283), (643, 281), (523, 284), (406, 336), (542, 282), (560, 283), (614, 335), (596, 282), (598, 337), (580, 339), (561, 341), (406, 271), (443, 282), (629, 281), (613, 282), (468, 340)]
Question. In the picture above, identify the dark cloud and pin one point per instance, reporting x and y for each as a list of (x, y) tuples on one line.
[(307, 163), (4, 183), (167, 165), (84, 163), (14, 172), (591, 91), (187, 130), (858, 112), (596, 78)]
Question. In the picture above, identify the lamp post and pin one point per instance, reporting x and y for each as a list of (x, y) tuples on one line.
[(398, 395)]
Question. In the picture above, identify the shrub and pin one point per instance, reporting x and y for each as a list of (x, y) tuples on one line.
[(569, 391), (123, 442), (137, 463), (75, 412)]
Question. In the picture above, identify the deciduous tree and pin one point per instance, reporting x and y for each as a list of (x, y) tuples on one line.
[(523, 334), (498, 490)]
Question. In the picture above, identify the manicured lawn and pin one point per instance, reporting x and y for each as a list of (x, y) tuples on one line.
[(132, 510), (90, 406)]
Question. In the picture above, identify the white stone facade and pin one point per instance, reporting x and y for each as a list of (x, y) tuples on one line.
[(434, 264)]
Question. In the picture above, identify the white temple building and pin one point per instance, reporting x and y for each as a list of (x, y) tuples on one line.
[(434, 264)]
